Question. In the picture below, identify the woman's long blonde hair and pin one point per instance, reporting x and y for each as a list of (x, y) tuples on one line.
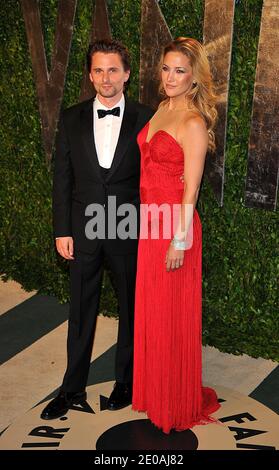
[(202, 93)]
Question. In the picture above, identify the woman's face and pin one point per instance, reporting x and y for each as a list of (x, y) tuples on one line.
[(177, 74)]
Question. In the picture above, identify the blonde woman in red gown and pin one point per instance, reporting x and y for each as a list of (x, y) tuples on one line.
[(167, 381)]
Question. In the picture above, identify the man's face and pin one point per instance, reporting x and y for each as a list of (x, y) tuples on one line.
[(107, 74)]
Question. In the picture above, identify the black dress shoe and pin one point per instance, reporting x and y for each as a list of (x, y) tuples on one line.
[(120, 397), (61, 404)]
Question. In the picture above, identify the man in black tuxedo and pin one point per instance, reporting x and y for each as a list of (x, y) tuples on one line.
[(97, 157)]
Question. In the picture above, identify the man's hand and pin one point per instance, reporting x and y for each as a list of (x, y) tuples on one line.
[(65, 247)]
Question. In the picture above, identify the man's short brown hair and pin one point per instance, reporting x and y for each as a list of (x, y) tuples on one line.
[(108, 46)]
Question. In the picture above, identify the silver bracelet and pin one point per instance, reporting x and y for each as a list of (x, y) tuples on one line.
[(178, 244)]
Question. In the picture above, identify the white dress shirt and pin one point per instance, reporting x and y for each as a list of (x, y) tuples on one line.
[(106, 131)]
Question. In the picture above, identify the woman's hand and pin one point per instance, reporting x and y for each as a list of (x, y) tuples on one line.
[(174, 258)]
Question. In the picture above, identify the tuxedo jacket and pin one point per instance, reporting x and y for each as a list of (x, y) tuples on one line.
[(78, 180)]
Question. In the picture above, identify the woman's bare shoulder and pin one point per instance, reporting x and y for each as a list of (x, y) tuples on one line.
[(192, 123), (193, 119)]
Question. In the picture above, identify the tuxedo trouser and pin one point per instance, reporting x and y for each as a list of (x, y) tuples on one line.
[(86, 272)]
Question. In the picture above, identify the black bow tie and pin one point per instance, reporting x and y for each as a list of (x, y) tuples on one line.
[(104, 112)]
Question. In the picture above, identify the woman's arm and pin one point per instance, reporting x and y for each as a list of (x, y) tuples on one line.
[(192, 135)]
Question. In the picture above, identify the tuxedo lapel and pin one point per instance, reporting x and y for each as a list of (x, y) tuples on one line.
[(87, 126), (127, 128)]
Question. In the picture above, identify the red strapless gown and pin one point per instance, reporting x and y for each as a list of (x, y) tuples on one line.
[(168, 307)]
